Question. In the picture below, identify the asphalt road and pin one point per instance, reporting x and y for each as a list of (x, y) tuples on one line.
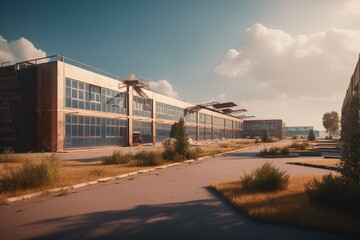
[(173, 203)]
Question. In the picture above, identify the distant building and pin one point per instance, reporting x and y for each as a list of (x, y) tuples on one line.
[(301, 131), (255, 128)]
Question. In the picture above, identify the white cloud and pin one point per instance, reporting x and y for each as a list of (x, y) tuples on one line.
[(18, 50), (275, 70), (163, 87)]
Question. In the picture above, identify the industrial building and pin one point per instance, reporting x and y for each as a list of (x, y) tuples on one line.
[(55, 103), (354, 85), (255, 128), (301, 131)]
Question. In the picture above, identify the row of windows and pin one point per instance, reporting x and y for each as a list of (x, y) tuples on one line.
[(90, 97), (142, 107), (85, 131), (169, 112), (268, 126), (205, 119), (257, 133)]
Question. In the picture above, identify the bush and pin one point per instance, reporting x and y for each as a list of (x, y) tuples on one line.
[(294, 137), (265, 178), (334, 191), (327, 192), (169, 152), (311, 136), (273, 151), (148, 158), (300, 146), (265, 136), (264, 151), (257, 141), (31, 175), (285, 150), (117, 158)]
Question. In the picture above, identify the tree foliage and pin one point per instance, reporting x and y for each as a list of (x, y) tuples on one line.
[(182, 146), (331, 122), (173, 130), (265, 136), (349, 166), (311, 136)]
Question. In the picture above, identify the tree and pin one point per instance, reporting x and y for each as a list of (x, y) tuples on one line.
[(311, 136), (265, 136), (173, 130), (331, 122), (349, 166), (182, 145)]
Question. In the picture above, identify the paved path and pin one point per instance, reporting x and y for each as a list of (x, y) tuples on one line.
[(173, 203)]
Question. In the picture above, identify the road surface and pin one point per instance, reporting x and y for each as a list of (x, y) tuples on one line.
[(173, 203)]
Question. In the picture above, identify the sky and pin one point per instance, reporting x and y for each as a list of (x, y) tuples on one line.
[(289, 60)]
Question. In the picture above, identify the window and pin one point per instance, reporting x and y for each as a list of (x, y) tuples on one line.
[(94, 93)]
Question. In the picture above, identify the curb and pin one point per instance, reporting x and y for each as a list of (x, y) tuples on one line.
[(102, 180), (312, 165)]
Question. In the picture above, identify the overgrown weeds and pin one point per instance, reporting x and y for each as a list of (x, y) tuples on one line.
[(300, 146), (31, 175), (148, 158), (8, 155), (265, 178), (117, 158)]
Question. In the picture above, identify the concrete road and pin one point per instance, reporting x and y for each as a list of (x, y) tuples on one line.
[(173, 203)]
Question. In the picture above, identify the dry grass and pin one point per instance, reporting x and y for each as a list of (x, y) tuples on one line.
[(221, 147), (289, 207), (323, 162), (73, 172)]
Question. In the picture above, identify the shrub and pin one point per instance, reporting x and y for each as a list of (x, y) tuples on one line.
[(300, 146), (257, 141), (273, 151), (173, 130), (264, 151), (311, 136), (285, 150), (31, 175), (294, 137), (169, 152), (194, 154), (182, 145), (265, 136), (265, 178), (117, 158), (148, 158), (329, 191)]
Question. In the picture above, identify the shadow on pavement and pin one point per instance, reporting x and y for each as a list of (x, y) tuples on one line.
[(187, 220)]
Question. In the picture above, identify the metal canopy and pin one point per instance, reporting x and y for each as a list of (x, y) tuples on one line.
[(224, 105)]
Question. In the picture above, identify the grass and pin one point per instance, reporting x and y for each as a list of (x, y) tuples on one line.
[(290, 207), (73, 172)]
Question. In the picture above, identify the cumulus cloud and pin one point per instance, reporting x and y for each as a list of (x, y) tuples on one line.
[(297, 69), (318, 62), (163, 87), (18, 50)]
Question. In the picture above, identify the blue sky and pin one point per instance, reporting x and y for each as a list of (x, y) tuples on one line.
[(190, 45)]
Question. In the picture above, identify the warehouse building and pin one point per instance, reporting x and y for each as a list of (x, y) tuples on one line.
[(255, 128), (56, 103), (301, 131)]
